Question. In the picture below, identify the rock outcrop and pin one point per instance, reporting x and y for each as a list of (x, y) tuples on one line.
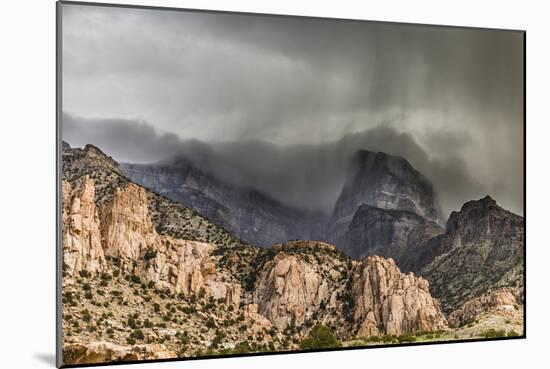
[(481, 250), (504, 300), (102, 352), (173, 284), (389, 302), (292, 288), (126, 234), (82, 249), (390, 233), (386, 182), (250, 214), (127, 228), (289, 290)]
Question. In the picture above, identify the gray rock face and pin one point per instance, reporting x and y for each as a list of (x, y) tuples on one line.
[(481, 250), (377, 179), (390, 233), (386, 182), (247, 213)]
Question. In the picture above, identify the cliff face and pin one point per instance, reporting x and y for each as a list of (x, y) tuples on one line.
[(81, 229), (389, 233), (155, 279), (377, 180), (481, 250), (387, 301), (369, 298), (505, 301), (295, 284), (386, 182), (247, 213), (126, 234)]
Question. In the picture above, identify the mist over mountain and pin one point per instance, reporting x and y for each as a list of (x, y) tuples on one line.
[(307, 176)]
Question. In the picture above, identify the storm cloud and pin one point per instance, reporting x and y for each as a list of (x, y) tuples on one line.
[(285, 101)]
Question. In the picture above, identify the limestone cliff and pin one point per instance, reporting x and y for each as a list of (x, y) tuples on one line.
[(371, 297), (157, 273), (387, 301), (125, 233), (82, 249)]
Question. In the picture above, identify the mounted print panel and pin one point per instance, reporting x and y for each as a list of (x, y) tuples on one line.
[(240, 184)]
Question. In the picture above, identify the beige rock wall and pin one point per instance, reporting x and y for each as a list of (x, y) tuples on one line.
[(387, 301), (101, 352), (288, 290), (82, 249), (125, 232), (504, 299)]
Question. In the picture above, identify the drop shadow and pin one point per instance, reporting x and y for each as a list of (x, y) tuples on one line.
[(46, 358)]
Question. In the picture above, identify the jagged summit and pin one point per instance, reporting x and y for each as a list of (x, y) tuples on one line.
[(481, 250), (384, 182), (78, 161), (484, 211), (388, 182)]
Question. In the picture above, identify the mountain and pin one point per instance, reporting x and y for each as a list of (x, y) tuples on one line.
[(385, 182), (248, 213), (376, 179), (397, 234), (481, 250), (145, 277)]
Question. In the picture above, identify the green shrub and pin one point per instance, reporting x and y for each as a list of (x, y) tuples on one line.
[(210, 323), (86, 316), (137, 334), (242, 348), (320, 336), (132, 322), (492, 333), (150, 254), (84, 274)]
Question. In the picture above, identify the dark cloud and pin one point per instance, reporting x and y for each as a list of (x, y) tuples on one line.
[(301, 175), (447, 99)]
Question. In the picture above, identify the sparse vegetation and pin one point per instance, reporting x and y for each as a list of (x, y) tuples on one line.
[(320, 336)]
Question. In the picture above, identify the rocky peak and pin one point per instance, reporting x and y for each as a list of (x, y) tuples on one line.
[(90, 159), (372, 297), (478, 219), (387, 182), (289, 290), (482, 248), (389, 302)]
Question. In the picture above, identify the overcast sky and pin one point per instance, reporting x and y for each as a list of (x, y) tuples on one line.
[(141, 83)]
